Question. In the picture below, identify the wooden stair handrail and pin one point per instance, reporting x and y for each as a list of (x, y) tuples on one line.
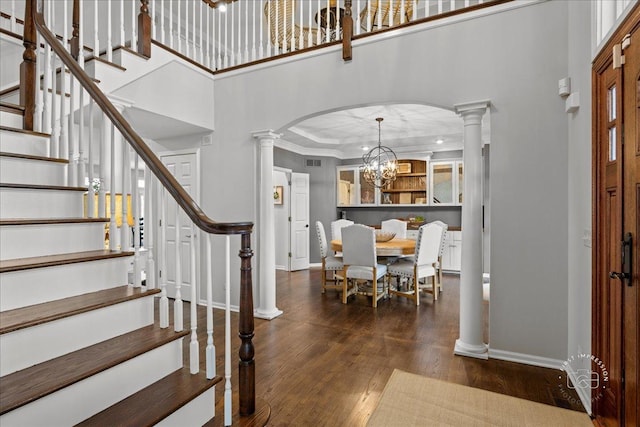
[(191, 208)]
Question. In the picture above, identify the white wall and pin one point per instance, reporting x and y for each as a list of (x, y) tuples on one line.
[(506, 58)]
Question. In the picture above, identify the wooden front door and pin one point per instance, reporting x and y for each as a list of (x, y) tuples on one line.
[(616, 299)]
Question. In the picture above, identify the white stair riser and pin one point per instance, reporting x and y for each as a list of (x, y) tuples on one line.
[(12, 98), (23, 241), (72, 333), (38, 285), (12, 170), (195, 413), (79, 401), (22, 143), (11, 120), (33, 203)]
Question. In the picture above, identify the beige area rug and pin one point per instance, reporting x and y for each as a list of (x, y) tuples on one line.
[(413, 400)]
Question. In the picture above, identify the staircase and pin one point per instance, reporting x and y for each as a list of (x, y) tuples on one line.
[(78, 344)]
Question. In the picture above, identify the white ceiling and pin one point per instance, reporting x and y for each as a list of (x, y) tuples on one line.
[(406, 128)]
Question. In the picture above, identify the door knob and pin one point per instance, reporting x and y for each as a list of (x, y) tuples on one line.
[(307, 226), (616, 275)]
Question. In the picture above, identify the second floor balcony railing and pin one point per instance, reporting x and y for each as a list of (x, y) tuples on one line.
[(222, 34)]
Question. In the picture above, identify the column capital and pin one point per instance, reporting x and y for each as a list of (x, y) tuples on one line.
[(267, 134), (471, 108)]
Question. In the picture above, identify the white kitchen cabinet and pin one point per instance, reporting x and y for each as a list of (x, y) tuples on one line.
[(452, 256)]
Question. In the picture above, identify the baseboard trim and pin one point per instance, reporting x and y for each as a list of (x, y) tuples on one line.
[(583, 393), (527, 359)]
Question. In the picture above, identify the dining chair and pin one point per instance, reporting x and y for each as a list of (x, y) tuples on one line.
[(336, 227), (360, 262), (330, 264), (438, 265), (420, 266), (396, 226)]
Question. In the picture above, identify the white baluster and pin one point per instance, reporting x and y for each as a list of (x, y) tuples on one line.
[(318, 28), (309, 25), (390, 14), (414, 15), (82, 170), (109, 38), (113, 231), (121, 24), (233, 32), (402, 12), (137, 274), (91, 202), (164, 301), (466, 3), (227, 335), (179, 26), (201, 51), (46, 87), (81, 37), (440, 6), (285, 44), (74, 149), (194, 347), (177, 303), (154, 26), (171, 23), (268, 34), (55, 120), (292, 42), (300, 34), (65, 25), (103, 157), (125, 231), (210, 350), (277, 45), (208, 36), (13, 16), (96, 26), (226, 45), (64, 141), (162, 36), (218, 39), (186, 25), (40, 95), (379, 15), (246, 33), (150, 230), (194, 49), (134, 25), (337, 29)]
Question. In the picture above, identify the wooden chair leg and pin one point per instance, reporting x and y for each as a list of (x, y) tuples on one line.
[(324, 280), (345, 286), (434, 286)]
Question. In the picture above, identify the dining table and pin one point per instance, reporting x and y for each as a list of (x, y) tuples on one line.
[(390, 248)]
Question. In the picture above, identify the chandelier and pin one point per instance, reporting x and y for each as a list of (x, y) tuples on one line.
[(380, 164)]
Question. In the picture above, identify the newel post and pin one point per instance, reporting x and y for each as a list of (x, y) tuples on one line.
[(347, 31), (247, 380), (144, 29), (75, 35), (28, 66)]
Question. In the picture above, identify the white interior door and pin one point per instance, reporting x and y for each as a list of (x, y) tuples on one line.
[(299, 221), (183, 167)]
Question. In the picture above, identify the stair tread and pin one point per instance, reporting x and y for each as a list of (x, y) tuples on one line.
[(28, 132), (32, 157), (42, 187), (155, 402), (38, 221), (27, 385), (59, 259), (25, 317)]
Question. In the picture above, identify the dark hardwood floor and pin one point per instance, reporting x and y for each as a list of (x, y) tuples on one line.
[(323, 363)]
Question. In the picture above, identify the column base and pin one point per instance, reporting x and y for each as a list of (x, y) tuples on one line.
[(469, 350), (260, 314)]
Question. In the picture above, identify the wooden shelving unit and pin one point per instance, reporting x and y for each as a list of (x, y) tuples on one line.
[(409, 188)]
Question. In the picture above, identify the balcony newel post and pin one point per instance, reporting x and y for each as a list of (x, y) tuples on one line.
[(246, 383), (28, 66), (347, 31), (144, 29), (75, 34)]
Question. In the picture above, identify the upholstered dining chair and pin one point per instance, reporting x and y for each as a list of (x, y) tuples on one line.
[(420, 266), (283, 31), (330, 264), (382, 12), (360, 262), (396, 226), (438, 265), (336, 227)]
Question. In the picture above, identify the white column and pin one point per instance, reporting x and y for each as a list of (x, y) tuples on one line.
[(267, 247), (471, 320)]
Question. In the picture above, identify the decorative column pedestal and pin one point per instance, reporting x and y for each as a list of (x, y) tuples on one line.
[(471, 321), (267, 246)]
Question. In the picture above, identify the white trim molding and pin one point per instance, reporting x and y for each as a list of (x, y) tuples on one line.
[(527, 359)]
